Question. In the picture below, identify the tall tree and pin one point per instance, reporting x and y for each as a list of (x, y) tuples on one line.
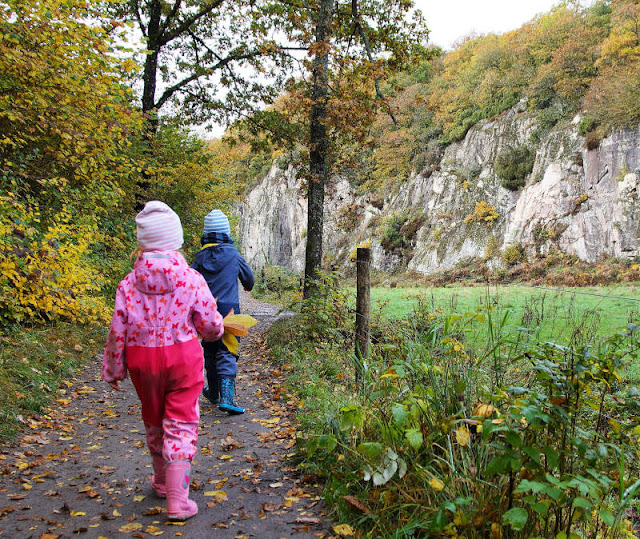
[(202, 56), (318, 145), (354, 45)]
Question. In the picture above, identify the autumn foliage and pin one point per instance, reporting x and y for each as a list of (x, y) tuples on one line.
[(570, 60), (66, 127)]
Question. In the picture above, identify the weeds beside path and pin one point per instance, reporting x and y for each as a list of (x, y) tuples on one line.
[(83, 466)]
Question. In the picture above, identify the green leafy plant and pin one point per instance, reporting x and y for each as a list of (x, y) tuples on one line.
[(513, 165), (514, 254)]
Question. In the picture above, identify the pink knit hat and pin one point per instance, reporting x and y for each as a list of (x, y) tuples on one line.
[(159, 227)]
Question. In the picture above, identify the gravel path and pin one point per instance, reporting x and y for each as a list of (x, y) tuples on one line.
[(83, 469)]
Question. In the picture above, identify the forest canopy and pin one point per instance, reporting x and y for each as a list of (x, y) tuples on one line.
[(73, 144)]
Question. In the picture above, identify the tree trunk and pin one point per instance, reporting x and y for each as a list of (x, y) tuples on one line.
[(149, 81), (149, 91), (318, 146), (151, 64)]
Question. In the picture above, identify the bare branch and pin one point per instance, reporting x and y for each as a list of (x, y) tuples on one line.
[(367, 46), (187, 23), (136, 8), (222, 63)]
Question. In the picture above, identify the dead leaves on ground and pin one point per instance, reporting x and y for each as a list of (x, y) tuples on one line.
[(62, 430)]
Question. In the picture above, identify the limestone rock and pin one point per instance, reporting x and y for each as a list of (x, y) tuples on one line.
[(578, 201)]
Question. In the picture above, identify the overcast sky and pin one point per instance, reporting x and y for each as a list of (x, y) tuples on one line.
[(450, 20)]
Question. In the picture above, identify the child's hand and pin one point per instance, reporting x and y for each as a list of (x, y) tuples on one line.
[(115, 385)]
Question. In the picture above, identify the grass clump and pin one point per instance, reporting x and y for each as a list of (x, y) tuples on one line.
[(451, 434), (36, 364)]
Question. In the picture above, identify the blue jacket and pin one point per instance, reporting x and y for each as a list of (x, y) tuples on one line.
[(222, 265)]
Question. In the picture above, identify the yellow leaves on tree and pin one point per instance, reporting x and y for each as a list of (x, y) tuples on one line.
[(45, 274), (623, 43), (64, 111), (66, 127)]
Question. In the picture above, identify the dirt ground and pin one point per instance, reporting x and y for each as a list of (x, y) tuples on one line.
[(83, 468)]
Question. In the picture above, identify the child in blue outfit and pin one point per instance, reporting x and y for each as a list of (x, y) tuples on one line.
[(221, 265)]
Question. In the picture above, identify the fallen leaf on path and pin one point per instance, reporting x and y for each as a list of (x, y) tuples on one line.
[(229, 443), (219, 495), (153, 530), (6, 510), (131, 527), (139, 498), (49, 536), (156, 510), (221, 483), (29, 439), (275, 485), (272, 506), (89, 491), (309, 520)]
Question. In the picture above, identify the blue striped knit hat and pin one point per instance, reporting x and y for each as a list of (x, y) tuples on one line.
[(217, 222)]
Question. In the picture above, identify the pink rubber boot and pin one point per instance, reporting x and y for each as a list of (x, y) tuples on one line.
[(178, 476), (158, 481)]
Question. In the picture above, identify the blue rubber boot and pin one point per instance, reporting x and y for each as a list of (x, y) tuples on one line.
[(227, 389)]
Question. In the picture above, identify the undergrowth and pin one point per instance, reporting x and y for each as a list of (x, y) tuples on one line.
[(36, 364), (449, 435)]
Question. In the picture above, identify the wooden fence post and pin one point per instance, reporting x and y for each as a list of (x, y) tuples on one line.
[(363, 297)]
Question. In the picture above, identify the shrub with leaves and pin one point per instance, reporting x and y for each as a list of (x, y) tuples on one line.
[(483, 213), (514, 254), (513, 165), (513, 439), (46, 273)]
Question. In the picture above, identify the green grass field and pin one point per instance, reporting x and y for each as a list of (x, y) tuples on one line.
[(600, 310)]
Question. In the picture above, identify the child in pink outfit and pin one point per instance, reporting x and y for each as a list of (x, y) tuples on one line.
[(160, 309)]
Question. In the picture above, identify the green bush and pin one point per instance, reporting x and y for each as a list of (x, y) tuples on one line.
[(513, 165), (392, 237), (586, 125), (514, 254), (513, 439), (277, 284)]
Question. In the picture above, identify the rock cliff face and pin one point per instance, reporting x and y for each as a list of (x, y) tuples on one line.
[(583, 202)]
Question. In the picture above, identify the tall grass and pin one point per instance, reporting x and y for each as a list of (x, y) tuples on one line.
[(509, 419)]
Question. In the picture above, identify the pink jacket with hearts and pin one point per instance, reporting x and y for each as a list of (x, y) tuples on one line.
[(160, 303)]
